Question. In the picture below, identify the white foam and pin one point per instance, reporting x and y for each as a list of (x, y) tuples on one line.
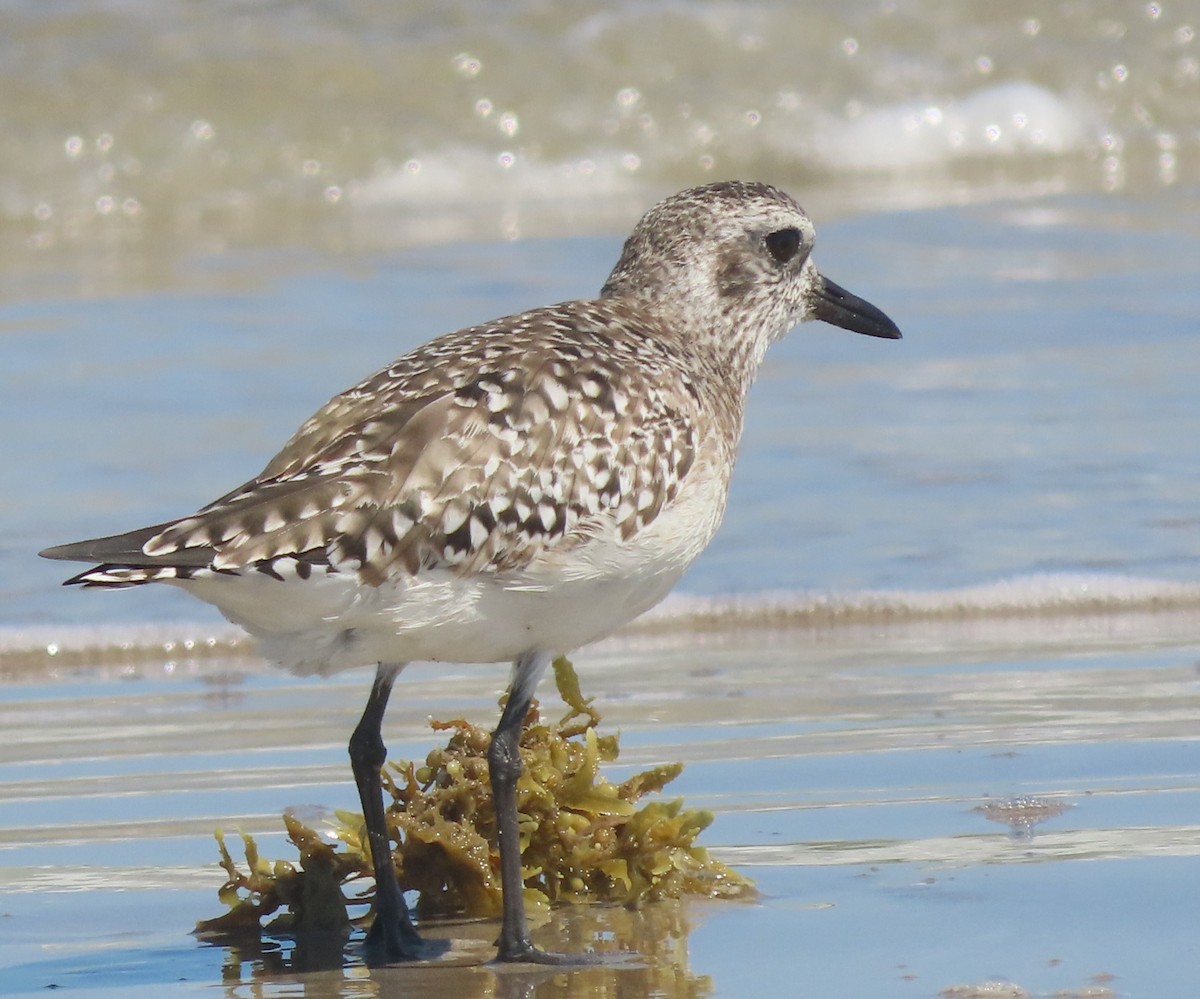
[(471, 195), (998, 121), (451, 177), (1022, 596), (167, 639), (1023, 604)]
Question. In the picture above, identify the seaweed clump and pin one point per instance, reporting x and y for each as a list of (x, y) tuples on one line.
[(583, 838)]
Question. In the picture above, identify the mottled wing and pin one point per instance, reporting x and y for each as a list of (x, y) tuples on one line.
[(478, 452)]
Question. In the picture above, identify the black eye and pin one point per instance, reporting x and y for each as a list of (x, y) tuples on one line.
[(783, 244)]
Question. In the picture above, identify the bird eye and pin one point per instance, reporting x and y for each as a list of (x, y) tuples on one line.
[(783, 244)]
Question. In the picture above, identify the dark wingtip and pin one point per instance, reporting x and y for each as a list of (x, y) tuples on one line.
[(122, 549), (66, 553)]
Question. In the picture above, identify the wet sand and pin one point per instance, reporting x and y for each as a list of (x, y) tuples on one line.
[(925, 812)]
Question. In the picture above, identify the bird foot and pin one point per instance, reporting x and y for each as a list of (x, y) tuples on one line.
[(392, 942), (524, 952)]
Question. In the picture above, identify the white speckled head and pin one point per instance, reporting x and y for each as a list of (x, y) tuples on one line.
[(730, 264)]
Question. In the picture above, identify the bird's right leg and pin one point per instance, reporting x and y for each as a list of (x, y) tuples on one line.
[(392, 936)]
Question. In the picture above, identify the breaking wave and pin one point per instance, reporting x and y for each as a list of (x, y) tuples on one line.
[(1020, 610)]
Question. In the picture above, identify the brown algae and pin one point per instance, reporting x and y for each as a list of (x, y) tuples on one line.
[(583, 838)]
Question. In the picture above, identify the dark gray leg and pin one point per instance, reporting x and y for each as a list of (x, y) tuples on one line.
[(392, 936), (504, 767)]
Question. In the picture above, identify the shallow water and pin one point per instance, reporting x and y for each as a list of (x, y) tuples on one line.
[(936, 676), (223, 124), (850, 773)]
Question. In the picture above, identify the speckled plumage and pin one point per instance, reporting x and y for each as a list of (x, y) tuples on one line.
[(509, 491), (477, 452), (558, 444)]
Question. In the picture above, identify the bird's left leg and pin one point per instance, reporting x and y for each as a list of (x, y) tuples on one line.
[(504, 768)]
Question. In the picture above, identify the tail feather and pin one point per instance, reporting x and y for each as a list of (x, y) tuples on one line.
[(118, 577)]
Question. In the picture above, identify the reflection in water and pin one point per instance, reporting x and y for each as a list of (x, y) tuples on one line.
[(842, 768), (648, 947), (1022, 813)]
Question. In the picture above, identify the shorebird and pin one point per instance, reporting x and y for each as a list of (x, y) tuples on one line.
[(507, 492)]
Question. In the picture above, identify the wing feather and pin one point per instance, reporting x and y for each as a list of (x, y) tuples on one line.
[(478, 452)]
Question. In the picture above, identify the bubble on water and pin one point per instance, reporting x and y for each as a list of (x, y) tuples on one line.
[(1168, 168), (467, 66)]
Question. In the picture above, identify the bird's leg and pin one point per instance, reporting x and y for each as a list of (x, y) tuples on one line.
[(504, 768), (392, 936)]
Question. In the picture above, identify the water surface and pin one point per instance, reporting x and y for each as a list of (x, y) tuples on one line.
[(937, 675)]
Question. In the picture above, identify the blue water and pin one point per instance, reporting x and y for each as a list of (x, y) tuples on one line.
[(1040, 415), (214, 216), (846, 777)]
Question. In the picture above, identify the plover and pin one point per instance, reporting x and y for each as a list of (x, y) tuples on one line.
[(507, 492)]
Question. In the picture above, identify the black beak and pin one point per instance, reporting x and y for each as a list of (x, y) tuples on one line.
[(834, 304)]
